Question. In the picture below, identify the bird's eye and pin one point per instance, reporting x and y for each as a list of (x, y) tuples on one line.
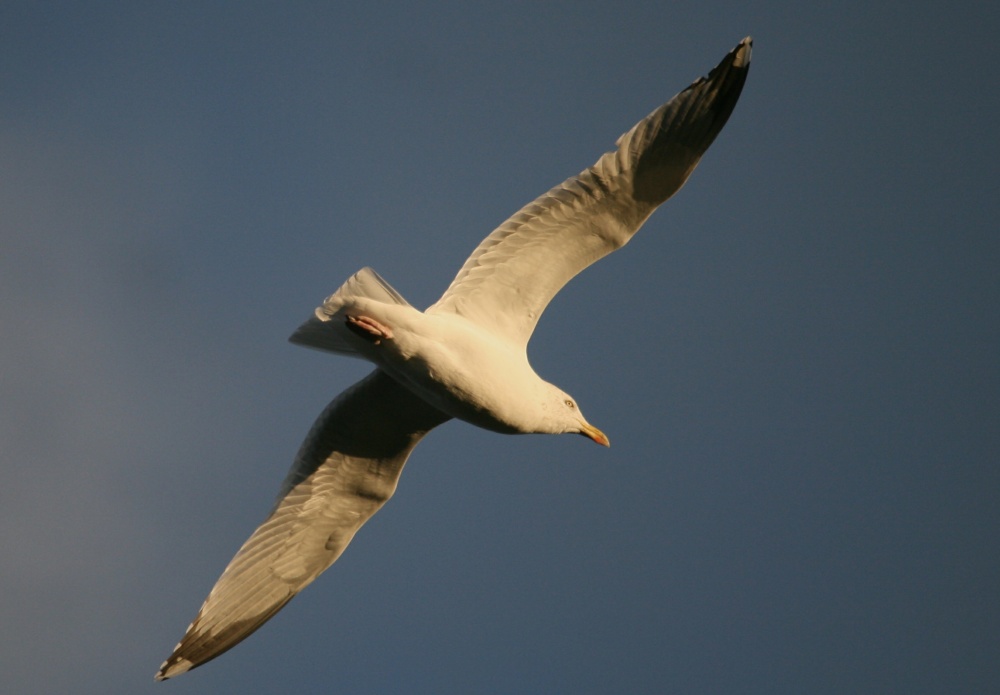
[(570, 404)]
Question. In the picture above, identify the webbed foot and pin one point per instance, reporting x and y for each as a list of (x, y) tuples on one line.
[(369, 329)]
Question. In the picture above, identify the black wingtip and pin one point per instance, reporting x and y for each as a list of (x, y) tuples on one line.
[(741, 54), (670, 142), (721, 88)]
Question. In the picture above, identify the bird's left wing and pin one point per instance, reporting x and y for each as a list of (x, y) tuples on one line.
[(510, 278), (345, 471)]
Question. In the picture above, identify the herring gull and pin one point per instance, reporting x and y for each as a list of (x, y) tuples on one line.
[(464, 357)]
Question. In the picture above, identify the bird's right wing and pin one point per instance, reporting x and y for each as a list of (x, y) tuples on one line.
[(345, 471), (507, 282)]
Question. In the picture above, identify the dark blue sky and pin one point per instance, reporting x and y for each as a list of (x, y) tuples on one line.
[(795, 360)]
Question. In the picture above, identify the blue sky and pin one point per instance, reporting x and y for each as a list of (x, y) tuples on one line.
[(795, 359)]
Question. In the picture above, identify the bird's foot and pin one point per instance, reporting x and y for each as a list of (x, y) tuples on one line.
[(369, 329)]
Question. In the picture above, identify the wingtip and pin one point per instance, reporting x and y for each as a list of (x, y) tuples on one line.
[(172, 667), (741, 54)]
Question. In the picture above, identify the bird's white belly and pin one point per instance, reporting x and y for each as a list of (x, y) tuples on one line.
[(458, 368)]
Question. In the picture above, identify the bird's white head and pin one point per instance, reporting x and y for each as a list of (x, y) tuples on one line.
[(563, 415)]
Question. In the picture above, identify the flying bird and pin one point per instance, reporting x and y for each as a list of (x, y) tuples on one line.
[(463, 357)]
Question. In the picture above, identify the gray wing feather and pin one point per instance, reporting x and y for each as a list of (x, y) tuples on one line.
[(345, 471), (510, 278)]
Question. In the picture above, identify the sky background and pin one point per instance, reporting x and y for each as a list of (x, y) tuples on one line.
[(796, 359)]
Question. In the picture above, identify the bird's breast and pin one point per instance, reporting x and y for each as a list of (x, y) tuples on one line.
[(460, 369)]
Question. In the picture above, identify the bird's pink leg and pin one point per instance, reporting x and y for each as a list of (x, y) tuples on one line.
[(369, 329)]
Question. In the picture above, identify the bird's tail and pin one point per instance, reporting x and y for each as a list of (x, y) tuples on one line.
[(328, 330)]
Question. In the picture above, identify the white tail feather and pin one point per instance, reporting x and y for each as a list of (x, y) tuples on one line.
[(327, 329)]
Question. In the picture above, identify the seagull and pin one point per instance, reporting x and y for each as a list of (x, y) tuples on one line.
[(464, 357)]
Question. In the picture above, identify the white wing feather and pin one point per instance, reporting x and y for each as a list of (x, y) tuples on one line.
[(347, 468), (510, 278)]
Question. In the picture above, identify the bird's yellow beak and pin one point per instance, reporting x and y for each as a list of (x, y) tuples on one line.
[(588, 430)]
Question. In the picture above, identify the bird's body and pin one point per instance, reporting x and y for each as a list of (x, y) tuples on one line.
[(453, 365), (465, 357), (450, 362), (437, 357)]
